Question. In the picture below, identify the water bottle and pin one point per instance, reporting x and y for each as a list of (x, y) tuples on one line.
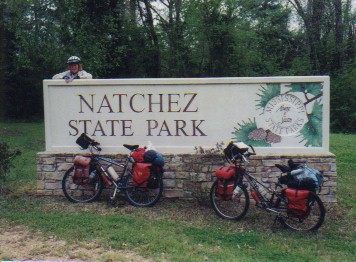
[(297, 171), (237, 192), (112, 173), (92, 175), (264, 192)]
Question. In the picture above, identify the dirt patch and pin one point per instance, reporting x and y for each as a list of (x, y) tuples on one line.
[(20, 243)]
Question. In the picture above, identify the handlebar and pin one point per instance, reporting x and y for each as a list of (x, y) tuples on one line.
[(85, 141), (253, 153), (96, 147), (239, 151)]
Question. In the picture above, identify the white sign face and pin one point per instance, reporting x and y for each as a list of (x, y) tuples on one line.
[(275, 115)]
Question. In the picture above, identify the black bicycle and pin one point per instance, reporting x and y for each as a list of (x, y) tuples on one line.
[(230, 199), (86, 179)]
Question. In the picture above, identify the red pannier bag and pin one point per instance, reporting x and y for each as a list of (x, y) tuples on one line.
[(225, 172), (141, 174), (138, 154), (81, 170), (297, 202), (226, 182)]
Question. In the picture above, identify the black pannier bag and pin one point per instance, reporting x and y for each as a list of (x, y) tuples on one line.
[(149, 156), (154, 157), (156, 174), (304, 178), (304, 184)]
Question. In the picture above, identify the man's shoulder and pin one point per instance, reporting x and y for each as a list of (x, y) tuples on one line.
[(61, 75), (85, 74)]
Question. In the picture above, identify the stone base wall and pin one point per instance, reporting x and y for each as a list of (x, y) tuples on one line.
[(185, 172)]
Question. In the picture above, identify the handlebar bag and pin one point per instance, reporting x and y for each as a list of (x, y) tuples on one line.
[(297, 202), (138, 155), (233, 149), (81, 170), (84, 141), (141, 174)]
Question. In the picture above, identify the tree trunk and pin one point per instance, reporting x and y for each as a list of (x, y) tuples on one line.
[(2, 61), (339, 38), (156, 69), (311, 15)]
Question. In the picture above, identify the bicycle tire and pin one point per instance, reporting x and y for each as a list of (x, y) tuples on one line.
[(143, 196), (81, 193), (233, 209), (311, 221)]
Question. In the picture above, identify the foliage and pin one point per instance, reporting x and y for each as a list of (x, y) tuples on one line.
[(175, 38), (6, 157), (217, 150), (343, 101), (29, 139), (197, 184)]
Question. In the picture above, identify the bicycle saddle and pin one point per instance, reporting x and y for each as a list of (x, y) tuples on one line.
[(284, 169), (292, 165), (131, 147)]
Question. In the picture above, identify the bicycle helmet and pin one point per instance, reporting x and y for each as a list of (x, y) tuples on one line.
[(73, 60)]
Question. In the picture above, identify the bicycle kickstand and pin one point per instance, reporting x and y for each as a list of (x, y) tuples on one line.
[(274, 225)]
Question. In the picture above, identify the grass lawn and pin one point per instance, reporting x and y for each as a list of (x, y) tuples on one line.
[(175, 230)]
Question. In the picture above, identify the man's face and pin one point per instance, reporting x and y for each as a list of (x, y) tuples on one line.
[(74, 68)]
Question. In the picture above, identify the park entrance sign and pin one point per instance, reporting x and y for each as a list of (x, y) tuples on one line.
[(277, 115)]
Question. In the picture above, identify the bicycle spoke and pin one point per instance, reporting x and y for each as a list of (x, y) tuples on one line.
[(143, 196), (81, 193)]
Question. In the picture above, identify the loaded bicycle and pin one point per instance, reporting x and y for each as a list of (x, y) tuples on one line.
[(296, 206), (140, 180)]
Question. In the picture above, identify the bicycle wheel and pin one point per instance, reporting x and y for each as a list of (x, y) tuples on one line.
[(235, 208), (311, 221), (143, 196), (81, 193)]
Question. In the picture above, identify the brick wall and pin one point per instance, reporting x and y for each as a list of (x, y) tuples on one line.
[(182, 169)]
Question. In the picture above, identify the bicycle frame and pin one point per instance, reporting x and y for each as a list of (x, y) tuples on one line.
[(85, 180), (119, 185), (291, 211), (261, 202)]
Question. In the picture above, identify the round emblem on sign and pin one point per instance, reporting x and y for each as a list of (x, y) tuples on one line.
[(285, 115)]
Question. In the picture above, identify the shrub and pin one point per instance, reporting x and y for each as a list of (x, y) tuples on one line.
[(343, 102), (198, 184), (6, 157)]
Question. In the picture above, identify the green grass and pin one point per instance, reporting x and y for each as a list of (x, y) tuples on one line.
[(179, 230), (344, 147), (29, 139)]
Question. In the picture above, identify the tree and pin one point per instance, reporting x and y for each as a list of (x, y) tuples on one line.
[(312, 13), (2, 60)]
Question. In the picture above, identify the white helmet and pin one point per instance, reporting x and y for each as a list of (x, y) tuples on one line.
[(73, 60)]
